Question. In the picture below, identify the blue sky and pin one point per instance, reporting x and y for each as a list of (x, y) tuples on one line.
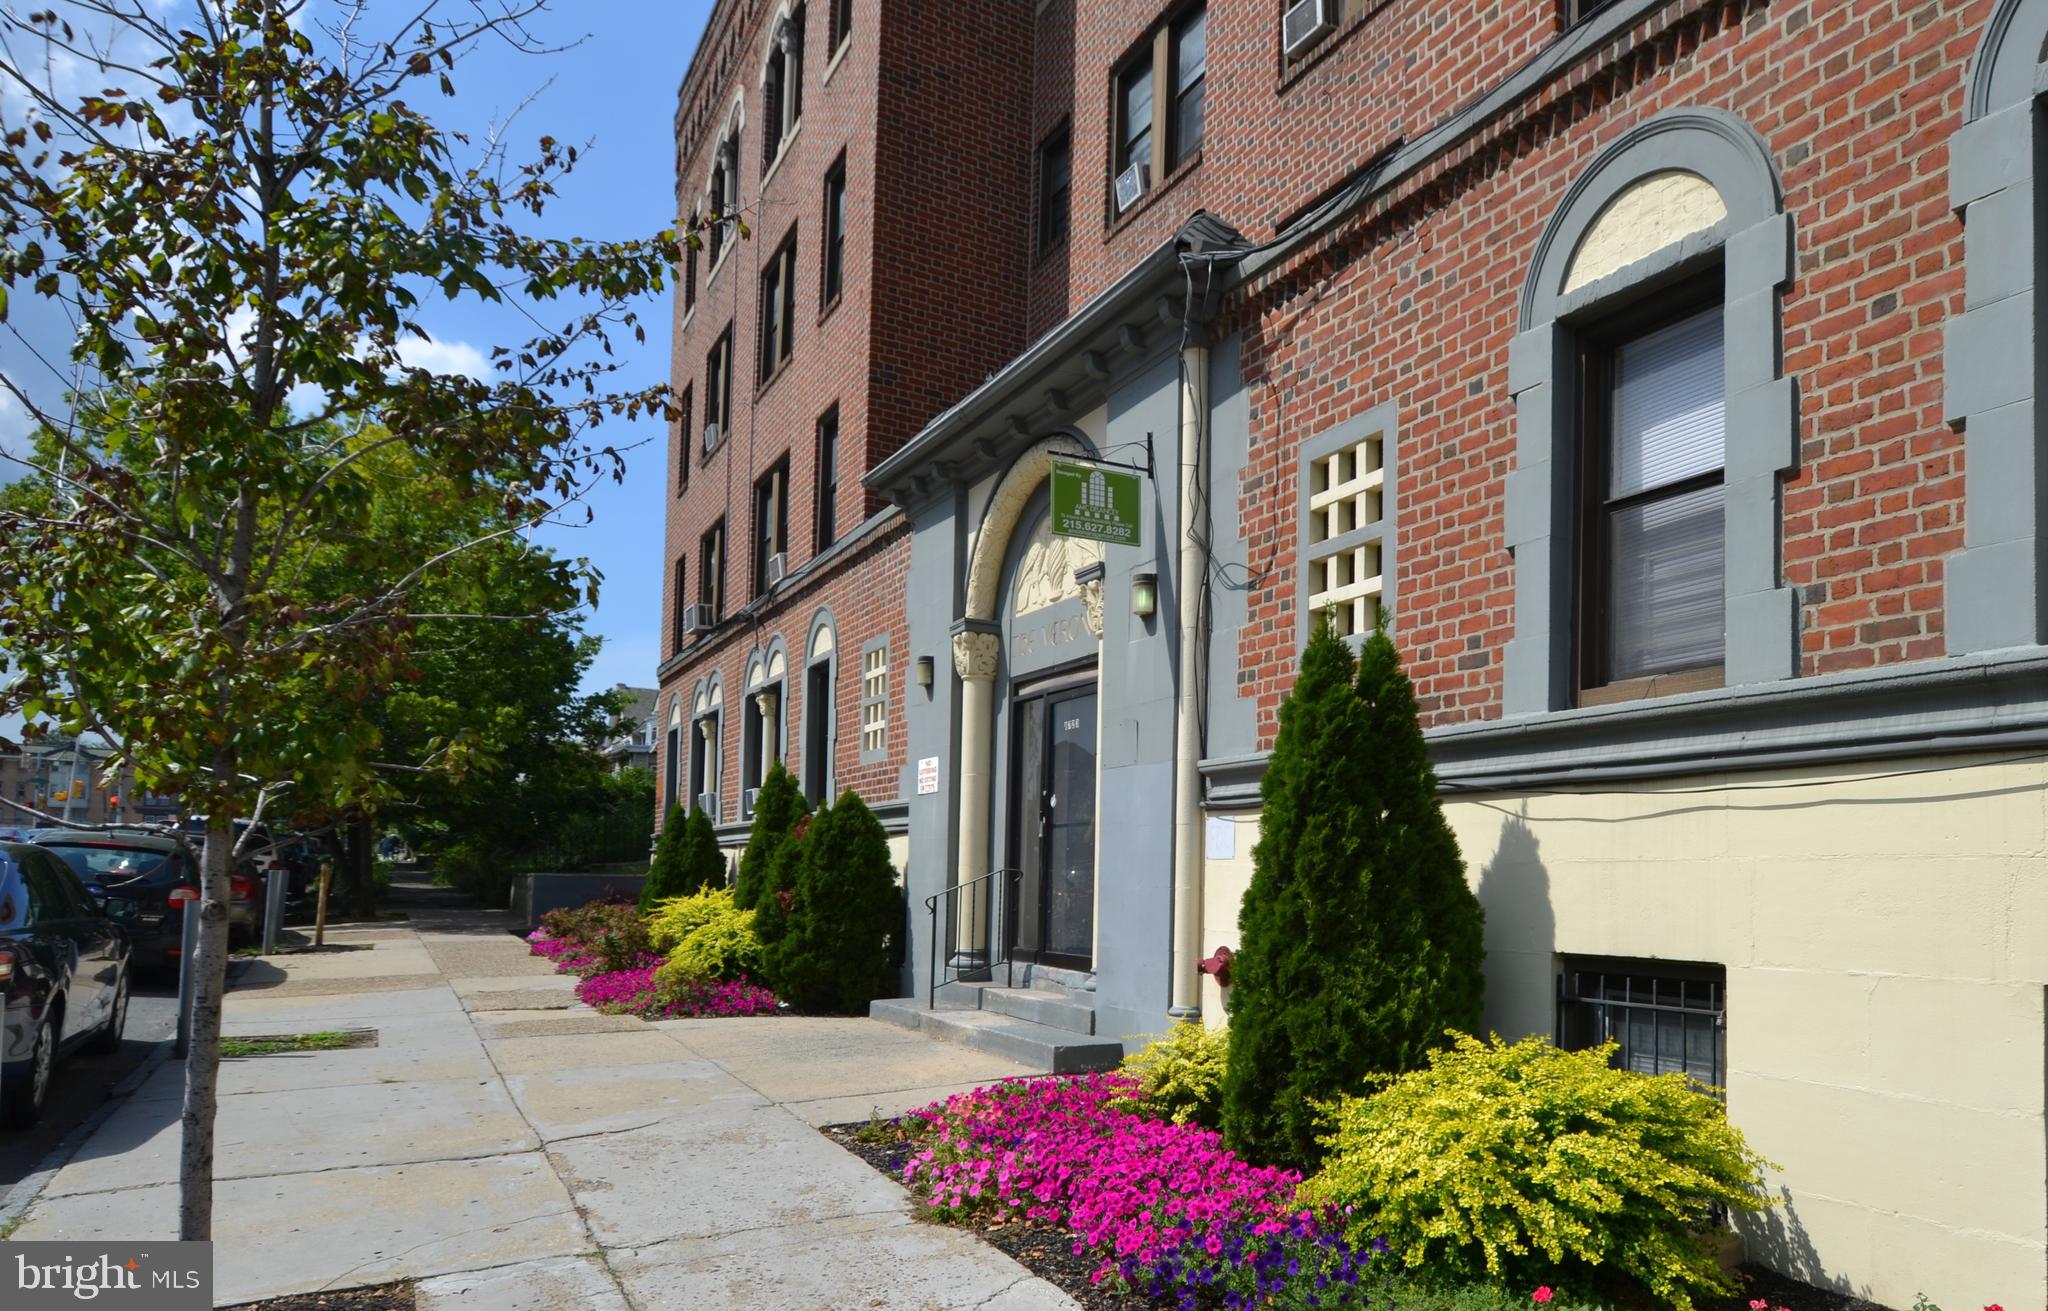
[(617, 92), (614, 94)]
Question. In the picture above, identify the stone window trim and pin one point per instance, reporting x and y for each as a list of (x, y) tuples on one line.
[(879, 754), (1753, 246), (707, 742), (1996, 587), (675, 775), (1316, 548)]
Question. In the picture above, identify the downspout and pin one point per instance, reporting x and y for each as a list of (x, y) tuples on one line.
[(1190, 677)]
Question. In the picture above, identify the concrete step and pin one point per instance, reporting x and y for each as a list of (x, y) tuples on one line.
[(1080, 983), (1059, 1009), (1040, 1046)]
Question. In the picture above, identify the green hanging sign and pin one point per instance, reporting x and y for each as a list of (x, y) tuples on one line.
[(1098, 504)]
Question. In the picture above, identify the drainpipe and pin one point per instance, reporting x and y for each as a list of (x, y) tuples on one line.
[(1187, 718)]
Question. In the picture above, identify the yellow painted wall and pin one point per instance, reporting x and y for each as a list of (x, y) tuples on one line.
[(1886, 943)]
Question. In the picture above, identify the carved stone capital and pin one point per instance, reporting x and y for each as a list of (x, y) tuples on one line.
[(1091, 601), (975, 655)]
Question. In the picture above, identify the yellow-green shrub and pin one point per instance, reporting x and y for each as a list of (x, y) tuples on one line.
[(1182, 1074), (678, 917), (1511, 1161), (707, 937)]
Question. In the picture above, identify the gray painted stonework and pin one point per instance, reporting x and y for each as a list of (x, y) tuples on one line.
[(1997, 585), (1135, 687), (1233, 720), (1997, 702), (1753, 244)]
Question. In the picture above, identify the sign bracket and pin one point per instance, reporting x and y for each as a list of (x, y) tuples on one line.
[(1149, 468)]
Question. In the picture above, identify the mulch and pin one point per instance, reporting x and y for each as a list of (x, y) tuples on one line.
[(1784, 1291), (384, 1297), (1048, 1252)]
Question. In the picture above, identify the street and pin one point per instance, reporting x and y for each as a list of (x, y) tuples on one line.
[(81, 1084)]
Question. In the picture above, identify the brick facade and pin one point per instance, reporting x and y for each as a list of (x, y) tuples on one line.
[(1413, 302), (936, 190)]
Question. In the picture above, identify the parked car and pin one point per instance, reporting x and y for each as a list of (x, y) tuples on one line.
[(149, 869), (249, 884), (64, 966)]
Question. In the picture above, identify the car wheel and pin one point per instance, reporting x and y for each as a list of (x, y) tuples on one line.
[(108, 1039), (26, 1092)]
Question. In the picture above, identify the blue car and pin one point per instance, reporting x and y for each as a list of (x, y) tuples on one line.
[(63, 975)]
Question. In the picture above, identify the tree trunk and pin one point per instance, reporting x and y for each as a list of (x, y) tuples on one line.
[(202, 1060), (357, 872)]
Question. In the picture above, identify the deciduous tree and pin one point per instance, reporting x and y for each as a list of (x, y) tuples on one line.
[(256, 210)]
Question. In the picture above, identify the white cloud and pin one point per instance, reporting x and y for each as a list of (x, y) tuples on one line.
[(444, 357)]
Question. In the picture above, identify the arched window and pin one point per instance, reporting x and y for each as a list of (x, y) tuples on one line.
[(820, 708), (1997, 585), (782, 87), (1653, 431)]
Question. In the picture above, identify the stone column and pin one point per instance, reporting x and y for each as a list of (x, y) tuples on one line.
[(766, 701), (975, 652), (710, 749)]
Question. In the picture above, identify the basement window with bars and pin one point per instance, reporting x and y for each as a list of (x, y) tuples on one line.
[(1347, 531), (1667, 1017)]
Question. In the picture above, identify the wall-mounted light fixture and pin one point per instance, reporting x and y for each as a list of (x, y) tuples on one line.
[(1144, 594), (924, 672)]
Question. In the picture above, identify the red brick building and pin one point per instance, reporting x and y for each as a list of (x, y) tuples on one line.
[(870, 289), (1663, 373)]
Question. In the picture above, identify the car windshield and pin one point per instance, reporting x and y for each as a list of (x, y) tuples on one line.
[(107, 862)]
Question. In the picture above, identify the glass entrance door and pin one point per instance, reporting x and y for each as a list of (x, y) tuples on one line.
[(1053, 828)]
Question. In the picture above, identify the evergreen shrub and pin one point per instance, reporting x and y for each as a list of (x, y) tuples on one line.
[(840, 948), (1362, 943), (1513, 1162), (777, 808), (686, 859)]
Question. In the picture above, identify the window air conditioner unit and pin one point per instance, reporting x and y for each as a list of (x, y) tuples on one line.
[(1307, 23), (778, 567), (710, 437), (708, 803), (1131, 184), (753, 795), (697, 619)]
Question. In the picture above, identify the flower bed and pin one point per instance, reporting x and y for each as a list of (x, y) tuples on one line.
[(1162, 1209), (635, 992)]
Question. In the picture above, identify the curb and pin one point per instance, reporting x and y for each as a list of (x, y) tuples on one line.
[(15, 1203), (23, 1194)]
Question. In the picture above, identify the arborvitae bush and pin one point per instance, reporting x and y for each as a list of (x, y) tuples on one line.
[(777, 808), (778, 891), (1361, 941), (686, 859), (841, 946)]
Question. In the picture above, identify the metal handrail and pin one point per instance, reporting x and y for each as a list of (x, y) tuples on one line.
[(993, 911)]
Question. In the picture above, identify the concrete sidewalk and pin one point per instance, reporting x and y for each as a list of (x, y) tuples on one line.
[(512, 1149)]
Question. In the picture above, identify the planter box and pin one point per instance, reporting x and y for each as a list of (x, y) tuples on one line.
[(534, 895)]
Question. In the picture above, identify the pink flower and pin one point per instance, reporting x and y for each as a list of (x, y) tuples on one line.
[(1542, 1294), (1994, 1307), (1758, 1304)]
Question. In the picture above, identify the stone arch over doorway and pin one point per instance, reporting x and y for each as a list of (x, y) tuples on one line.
[(977, 651)]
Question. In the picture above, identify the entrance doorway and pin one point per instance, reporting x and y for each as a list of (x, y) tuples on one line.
[(1052, 826)]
